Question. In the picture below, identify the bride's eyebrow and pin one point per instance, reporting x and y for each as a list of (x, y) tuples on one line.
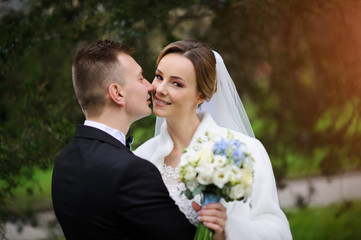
[(172, 77), (176, 77)]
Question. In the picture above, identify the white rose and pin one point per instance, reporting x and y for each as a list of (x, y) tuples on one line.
[(206, 153), (237, 191), (220, 177), (219, 160), (235, 173), (247, 177), (192, 157), (190, 173), (204, 180), (205, 170)]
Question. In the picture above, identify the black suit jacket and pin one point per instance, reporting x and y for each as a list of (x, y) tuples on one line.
[(101, 190)]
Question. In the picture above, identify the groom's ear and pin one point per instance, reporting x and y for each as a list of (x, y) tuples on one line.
[(116, 94)]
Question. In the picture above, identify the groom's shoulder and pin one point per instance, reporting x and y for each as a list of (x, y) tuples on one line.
[(134, 167), (107, 152), (106, 157)]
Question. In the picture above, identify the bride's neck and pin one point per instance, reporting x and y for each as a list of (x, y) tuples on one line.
[(182, 129)]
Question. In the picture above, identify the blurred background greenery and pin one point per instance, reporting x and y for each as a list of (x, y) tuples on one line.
[(296, 65)]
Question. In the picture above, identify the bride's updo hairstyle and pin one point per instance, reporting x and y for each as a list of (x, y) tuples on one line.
[(203, 60)]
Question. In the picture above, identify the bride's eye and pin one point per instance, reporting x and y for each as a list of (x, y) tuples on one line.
[(159, 77), (177, 84)]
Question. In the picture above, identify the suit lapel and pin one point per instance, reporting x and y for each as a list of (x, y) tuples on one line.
[(96, 134)]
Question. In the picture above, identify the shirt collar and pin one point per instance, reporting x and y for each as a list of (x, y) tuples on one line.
[(111, 131)]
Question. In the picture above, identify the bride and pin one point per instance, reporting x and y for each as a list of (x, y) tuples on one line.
[(193, 93)]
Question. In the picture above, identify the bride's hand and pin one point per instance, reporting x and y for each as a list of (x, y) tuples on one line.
[(213, 216)]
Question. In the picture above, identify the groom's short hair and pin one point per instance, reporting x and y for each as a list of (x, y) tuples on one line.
[(96, 67)]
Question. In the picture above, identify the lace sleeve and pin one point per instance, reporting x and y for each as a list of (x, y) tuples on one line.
[(175, 187)]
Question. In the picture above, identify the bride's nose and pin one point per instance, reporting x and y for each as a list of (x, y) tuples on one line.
[(159, 87)]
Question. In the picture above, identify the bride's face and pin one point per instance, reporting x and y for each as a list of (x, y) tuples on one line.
[(175, 88)]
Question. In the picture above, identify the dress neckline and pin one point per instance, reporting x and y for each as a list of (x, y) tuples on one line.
[(170, 172)]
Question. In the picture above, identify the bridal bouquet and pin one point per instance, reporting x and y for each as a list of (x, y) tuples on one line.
[(217, 168)]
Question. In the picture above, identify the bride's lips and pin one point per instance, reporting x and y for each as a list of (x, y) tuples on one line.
[(160, 102)]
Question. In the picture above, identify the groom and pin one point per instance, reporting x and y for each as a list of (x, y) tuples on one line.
[(100, 189)]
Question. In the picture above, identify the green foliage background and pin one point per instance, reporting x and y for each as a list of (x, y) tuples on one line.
[(296, 65)]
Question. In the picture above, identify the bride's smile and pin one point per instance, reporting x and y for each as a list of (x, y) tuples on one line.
[(160, 102)]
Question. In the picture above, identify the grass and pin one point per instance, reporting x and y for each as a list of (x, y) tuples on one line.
[(298, 166), (334, 222)]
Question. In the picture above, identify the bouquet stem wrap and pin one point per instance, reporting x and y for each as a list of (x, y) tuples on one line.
[(204, 233)]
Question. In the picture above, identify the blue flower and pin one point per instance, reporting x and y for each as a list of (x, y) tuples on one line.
[(230, 148), (239, 157), (221, 147)]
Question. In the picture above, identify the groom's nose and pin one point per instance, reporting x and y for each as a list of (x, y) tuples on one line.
[(149, 86)]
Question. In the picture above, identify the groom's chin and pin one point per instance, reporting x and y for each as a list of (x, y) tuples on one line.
[(146, 113)]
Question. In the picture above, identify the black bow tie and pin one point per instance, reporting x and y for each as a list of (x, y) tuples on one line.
[(129, 142)]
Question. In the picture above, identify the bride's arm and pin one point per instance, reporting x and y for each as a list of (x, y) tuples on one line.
[(264, 219)]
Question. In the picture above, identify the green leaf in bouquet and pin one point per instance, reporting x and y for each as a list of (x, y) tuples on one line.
[(226, 190), (188, 193), (199, 189)]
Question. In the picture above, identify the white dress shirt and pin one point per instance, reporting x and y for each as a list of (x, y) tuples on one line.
[(111, 131)]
